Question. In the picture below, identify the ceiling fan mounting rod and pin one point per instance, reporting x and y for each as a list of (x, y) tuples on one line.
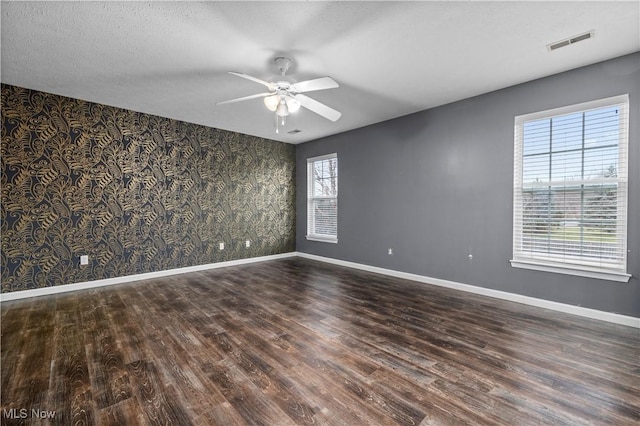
[(283, 63)]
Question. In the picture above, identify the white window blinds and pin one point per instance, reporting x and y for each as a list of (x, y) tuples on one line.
[(322, 198), (570, 189)]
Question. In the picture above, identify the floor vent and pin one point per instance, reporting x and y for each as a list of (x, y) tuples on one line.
[(571, 40)]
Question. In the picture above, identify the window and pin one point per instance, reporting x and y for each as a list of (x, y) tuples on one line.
[(570, 190), (322, 198)]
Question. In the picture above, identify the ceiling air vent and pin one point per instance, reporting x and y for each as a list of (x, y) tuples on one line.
[(571, 40), (294, 131)]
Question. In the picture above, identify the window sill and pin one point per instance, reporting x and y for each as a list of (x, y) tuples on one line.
[(567, 270), (323, 239)]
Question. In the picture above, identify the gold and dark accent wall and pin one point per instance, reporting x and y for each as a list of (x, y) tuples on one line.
[(135, 192)]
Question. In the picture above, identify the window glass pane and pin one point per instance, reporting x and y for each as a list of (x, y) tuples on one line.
[(317, 186), (536, 135), (318, 178), (537, 212), (566, 166), (566, 132), (601, 162), (325, 169), (601, 210), (325, 188), (535, 169), (568, 206), (332, 164), (326, 179), (602, 127), (326, 216), (324, 183)]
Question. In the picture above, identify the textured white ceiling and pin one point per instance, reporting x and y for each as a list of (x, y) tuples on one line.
[(390, 58)]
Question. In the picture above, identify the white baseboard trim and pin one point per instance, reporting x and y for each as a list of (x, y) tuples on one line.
[(23, 294), (512, 297), (527, 300)]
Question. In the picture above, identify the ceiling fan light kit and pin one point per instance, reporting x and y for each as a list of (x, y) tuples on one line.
[(282, 104), (285, 97), (293, 105), (272, 102)]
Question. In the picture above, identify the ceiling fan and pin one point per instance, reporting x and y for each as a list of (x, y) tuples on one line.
[(286, 96)]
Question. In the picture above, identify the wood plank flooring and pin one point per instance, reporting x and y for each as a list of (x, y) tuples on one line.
[(295, 341)]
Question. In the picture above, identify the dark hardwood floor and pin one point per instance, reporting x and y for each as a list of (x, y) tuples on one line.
[(300, 342)]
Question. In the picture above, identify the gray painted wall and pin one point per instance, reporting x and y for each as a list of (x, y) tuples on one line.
[(438, 185)]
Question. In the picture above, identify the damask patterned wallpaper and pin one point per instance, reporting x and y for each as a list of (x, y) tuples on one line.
[(135, 192)]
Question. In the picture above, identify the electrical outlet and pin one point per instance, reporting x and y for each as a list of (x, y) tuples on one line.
[(84, 259), (247, 243), (390, 252), (470, 256), (221, 246)]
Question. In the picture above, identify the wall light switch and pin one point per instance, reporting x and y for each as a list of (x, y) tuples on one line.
[(84, 259), (221, 246), (390, 252)]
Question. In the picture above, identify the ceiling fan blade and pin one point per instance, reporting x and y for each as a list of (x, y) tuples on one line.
[(257, 80), (315, 84), (259, 95), (318, 107)]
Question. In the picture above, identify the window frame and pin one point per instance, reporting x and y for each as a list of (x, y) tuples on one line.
[(565, 264), (311, 219)]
